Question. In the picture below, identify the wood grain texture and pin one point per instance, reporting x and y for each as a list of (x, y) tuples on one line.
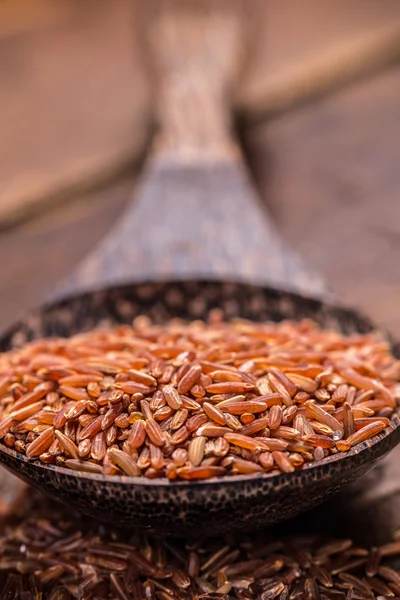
[(75, 101), (90, 101), (44, 251), (197, 51), (304, 50), (201, 221), (332, 185)]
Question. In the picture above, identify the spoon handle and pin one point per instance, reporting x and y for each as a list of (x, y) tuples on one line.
[(197, 214), (198, 50)]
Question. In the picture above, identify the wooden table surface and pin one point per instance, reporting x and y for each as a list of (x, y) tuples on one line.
[(76, 98)]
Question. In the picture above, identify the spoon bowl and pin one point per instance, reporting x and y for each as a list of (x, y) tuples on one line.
[(197, 234), (216, 505)]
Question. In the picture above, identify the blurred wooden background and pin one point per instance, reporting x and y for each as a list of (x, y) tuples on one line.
[(74, 90)]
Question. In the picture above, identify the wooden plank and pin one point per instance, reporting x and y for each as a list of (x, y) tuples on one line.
[(304, 49), (75, 97), (42, 253), (329, 174), (74, 102)]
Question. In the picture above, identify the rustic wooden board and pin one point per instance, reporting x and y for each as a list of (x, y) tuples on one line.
[(329, 174), (305, 49), (73, 96), (75, 100)]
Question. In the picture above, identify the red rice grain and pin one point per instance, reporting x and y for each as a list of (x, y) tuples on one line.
[(205, 396)]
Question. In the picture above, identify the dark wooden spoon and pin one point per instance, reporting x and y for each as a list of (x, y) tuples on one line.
[(194, 238)]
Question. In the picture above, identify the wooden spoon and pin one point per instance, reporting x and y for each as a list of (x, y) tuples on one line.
[(194, 238)]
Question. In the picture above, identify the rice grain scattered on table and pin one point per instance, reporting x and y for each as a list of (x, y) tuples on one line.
[(196, 400), (50, 552)]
